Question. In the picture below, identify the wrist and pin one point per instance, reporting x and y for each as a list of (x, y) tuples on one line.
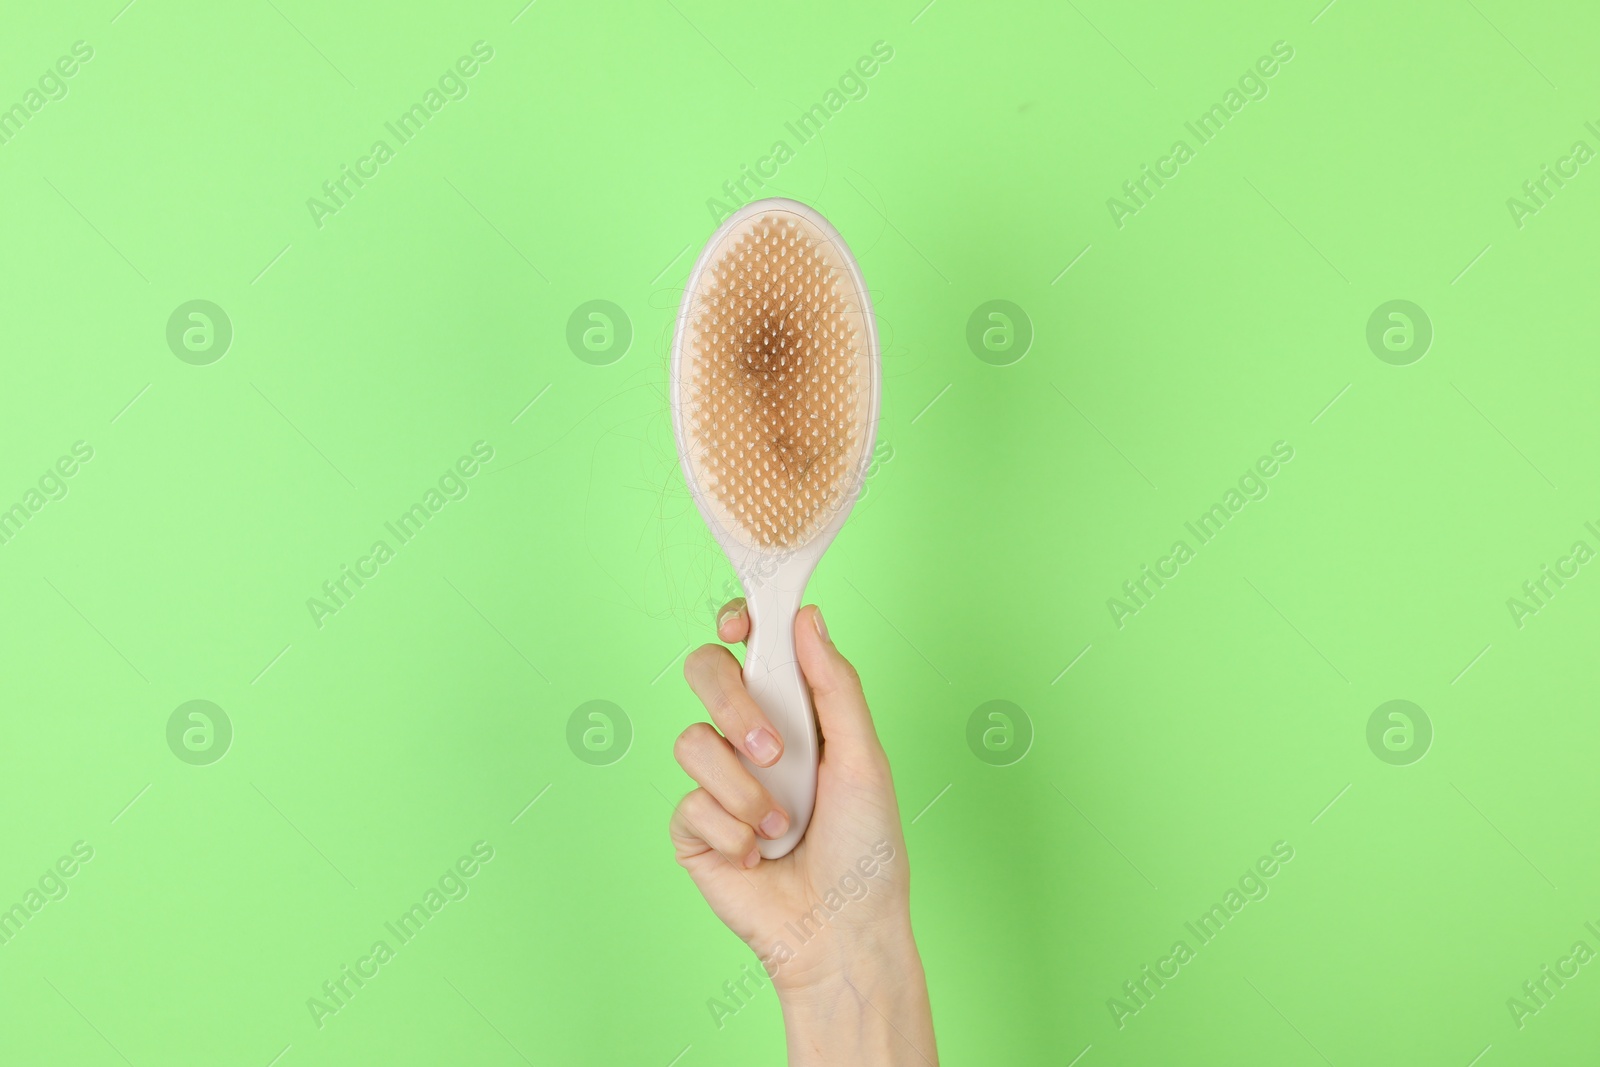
[(815, 967), (867, 1005)]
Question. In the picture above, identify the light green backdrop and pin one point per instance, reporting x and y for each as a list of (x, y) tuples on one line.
[(1148, 354)]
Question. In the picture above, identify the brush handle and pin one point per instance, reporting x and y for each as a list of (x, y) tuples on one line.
[(772, 675)]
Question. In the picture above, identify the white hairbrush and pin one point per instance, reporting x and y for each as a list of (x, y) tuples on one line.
[(775, 383)]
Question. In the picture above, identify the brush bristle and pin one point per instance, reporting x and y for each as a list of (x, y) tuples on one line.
[(776, 380)]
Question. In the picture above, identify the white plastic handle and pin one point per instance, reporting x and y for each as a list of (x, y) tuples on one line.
[(773, 677)]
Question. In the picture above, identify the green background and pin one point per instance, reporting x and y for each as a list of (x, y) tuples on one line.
[(1009, 505)]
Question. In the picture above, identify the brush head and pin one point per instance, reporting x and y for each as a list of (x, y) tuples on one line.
[(777, 379)]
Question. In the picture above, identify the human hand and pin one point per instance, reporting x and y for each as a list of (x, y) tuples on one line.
[(830, 921)]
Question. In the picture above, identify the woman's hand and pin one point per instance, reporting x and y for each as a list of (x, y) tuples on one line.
[(830, 921)]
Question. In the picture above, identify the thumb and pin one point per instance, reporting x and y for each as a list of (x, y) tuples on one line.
[(842, 713)]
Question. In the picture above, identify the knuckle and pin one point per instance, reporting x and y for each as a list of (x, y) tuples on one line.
[(852, 677), (754, 803), (699, 661), (695, 808), (725, 703), (683, 747), (696, 748), (722, 704), (740, 840), (680, 811), (689, 666)]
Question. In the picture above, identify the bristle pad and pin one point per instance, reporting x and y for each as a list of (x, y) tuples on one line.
[(776, 378)]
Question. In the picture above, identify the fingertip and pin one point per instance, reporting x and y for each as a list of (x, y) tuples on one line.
[(774, 824), (763, 746), (811, 635), (810, 618), (807, 635), (733, 622)]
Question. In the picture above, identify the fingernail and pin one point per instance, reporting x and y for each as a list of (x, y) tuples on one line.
[(822, 627), (774, 824), (762, 746), (725, 616), (754, 858)]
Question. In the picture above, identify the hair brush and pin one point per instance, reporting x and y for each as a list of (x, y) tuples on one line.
[(775, 381)]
